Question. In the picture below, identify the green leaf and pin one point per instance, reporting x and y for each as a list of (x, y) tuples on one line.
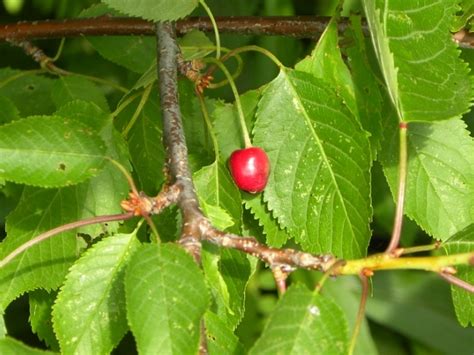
[(39, 210), (160, 10), (145, 144), (326, 62), (440, 182), (166, 298), (210, 257), (49, 151), (3, 329), (236, 269), (103, 193), (346, 292), (383, 51), (227, 273), (87, 113), (304, 322), (463, 242), (89, 315), (195, 45), (275, 236), (368, 97), (8, 111), (467, 12), (426, 79), (215, 187), (45, 264), (195, 129), (218, 216), (136, 53), (41, 304), (70, 88), (10, 346), (220, 338), (30, 93), (417, 305), (319, 184), (148, 77)]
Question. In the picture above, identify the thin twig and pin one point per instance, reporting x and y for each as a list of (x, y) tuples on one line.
[(360, 313), (287, 259), (293, 26), (288, 26), (61, 229), (457, 281)]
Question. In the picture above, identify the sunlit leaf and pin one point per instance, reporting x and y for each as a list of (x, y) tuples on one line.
[(426, 79), (326, 62), (49, 151), (319, 184), (166, 298), (89, 314), (220, 338)]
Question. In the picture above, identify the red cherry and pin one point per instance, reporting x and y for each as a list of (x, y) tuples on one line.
[(250, 168)]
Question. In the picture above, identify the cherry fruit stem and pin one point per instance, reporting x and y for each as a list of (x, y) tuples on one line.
[(243, 125), (214, 27)]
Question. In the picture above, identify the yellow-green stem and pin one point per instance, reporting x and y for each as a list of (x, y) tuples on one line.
[(387, 262), (243, 125), (60, 50), (418, 249)]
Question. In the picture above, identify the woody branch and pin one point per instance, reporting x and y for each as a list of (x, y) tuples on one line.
[(289, 26)]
